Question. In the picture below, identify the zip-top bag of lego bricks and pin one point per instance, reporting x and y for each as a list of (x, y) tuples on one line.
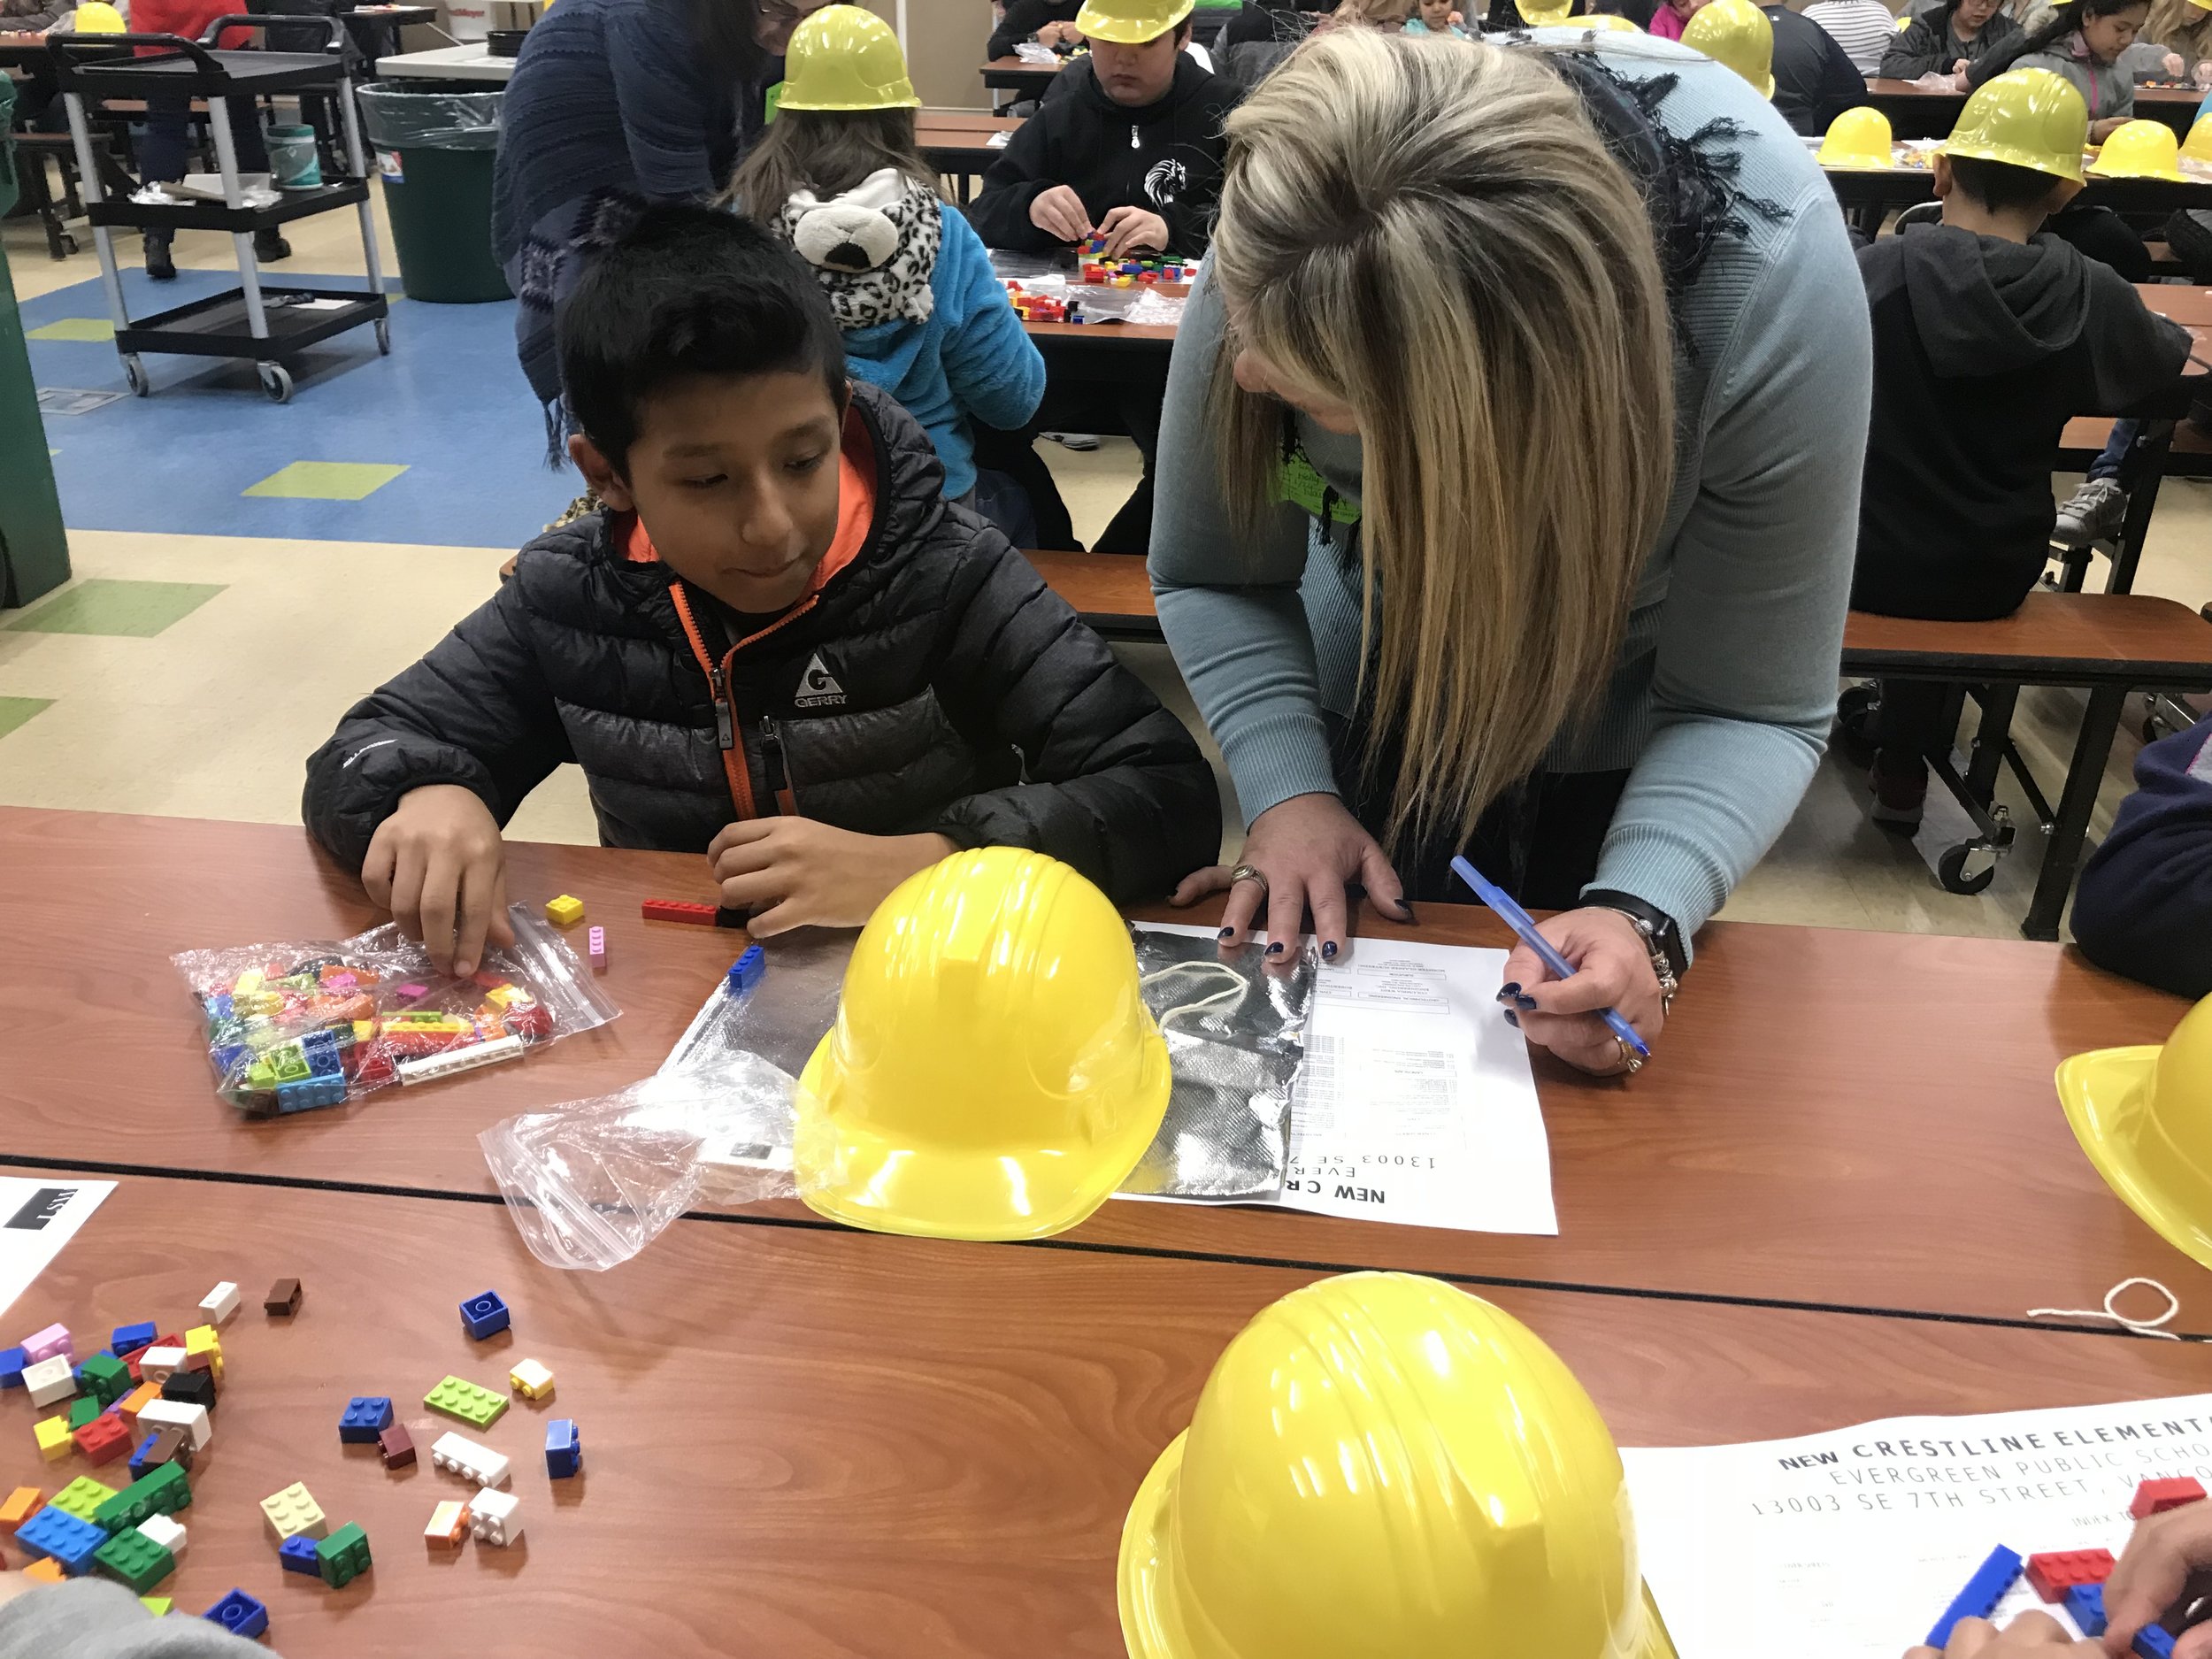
[(291, 1027)]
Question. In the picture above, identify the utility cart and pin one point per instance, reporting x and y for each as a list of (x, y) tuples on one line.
[(268, 326)]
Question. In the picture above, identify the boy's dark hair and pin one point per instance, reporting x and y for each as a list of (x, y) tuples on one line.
[(687, 291), (1999, 186)]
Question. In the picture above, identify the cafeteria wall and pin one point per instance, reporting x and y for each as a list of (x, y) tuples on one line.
[(944, 44)]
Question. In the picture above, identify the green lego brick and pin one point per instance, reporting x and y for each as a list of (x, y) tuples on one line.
[(163, 1492), (83, 1499), (105, 1377), (464, 1399), (82, 1413), (135, 1559), (344, 1556)]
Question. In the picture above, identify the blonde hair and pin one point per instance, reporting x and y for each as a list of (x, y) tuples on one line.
[(1432, 232)]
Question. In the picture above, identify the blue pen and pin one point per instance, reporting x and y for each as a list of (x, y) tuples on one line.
[(1513, 916)]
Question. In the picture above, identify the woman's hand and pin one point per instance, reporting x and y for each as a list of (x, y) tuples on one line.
[(1612, 969), (2168, 1563), (1307, 847), (2175, 70), (2030, 1636)]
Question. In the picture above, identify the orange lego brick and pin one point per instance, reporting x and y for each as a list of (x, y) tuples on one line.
[(22, 1504)]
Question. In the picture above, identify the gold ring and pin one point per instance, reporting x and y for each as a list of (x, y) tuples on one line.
[(1632, 1061), (1245, 873)]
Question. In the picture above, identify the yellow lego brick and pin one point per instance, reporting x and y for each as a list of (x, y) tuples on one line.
[(45, 1569), (158, 1605), (201, 1338), (448, 1525), (53, 1439), (250, 980), (293, 1513), (564, 911), (22, 1504), (531, 1380), (363, 1030)]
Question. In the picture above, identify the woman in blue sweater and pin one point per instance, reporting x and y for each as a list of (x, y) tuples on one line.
[(1536, 382), (838, 173)]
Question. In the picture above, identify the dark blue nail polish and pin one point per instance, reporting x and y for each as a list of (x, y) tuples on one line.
[(1504, 996), (1526, 1003), (1328, 951), (1275, 951), (1512, 1020), (1408, 909), (1226, 932), (1510, 989)]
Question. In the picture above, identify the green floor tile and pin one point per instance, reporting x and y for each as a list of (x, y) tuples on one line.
[(98, 330), (15, 711), (327, 480), (136, 610)]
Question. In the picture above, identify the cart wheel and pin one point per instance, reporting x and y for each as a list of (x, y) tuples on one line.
[(384, 335), (1968, 867), (1854, 723), (68, 244), (276, 381), (135, 371)]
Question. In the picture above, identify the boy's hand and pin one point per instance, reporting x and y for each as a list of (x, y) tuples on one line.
[(1060, 33), (2030, 1636), (1060, 213), (794, 872), (438, 864), (1127, 228), (2167, 1565)]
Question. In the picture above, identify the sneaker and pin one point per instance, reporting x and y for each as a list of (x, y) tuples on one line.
[(1901, 789), (268, 245), (159, 265), (1073, 440), (2097, 508)]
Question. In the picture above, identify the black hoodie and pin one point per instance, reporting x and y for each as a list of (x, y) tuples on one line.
[(1163, 156), (1983, 350)]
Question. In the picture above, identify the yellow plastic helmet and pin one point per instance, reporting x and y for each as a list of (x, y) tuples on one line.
[(1381, 1464), (1131, 22), (1905, 21), (1857, 138), (2026, 117), (97, 17), (2144, 1116), (1554, 17), (842, 57), (993, 1073), (1737, 34), (1612, 21), (2142, 149), (2198, 145)]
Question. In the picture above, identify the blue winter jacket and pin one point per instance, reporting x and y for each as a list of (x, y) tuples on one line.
[(2145, 907)]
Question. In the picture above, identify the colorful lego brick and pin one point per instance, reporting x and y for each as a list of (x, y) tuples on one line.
[(564, 1448), (161, 1447), (364, 1418), (220, 1303), (296, 1554), (53, 1341), (745, 972), (103, 1441), (448, 1525), (344, 1556), (188, 1387), (462, 1456), (12, 1360), (485, 1314), (677, 911), (22, 1503), (239, 1613), (160, 1362), (81, 1412), (162, 1492), (44, 1572), (495, 1518), (2154, 1641), (459, 1398), (294, 1513), (1979, 1598), (397, 1447), (136, 1402), (2085, 1602), (564, 911), (2053, 1574), (430, 1068), (309, 1093), (49, 1380), (532, 1379), (2156, 1497), (194, 1420), (102, 1378), (134, 1559), (203, 1350), (283, 1297), (129, 1338), (596, 948), (167, 1530), (83, 1498), (52, 1435), (62, 1538), (158, 1605)]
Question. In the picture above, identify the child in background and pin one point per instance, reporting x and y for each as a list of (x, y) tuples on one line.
[(1989, 334), (1439, 17), (2182, 30), (1669, 17), (161, 153), (1950, 38), (2084, 43), (774, 644), (838, 176), (2144, 907), (1864, 28)]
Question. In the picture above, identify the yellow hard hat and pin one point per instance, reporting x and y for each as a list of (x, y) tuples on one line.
[(1131, 22), (1612, 21), (1857, 138), (2198, 145), (97, 17), (1737, 34), (1550, 17), (1905, 21), (1381, 1464), (2026, 117), (2142, 149), (993, 1073), (842, 57), (2144, 1116)]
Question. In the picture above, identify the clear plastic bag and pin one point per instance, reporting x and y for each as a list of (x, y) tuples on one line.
[(397, 116), (293, 1026)]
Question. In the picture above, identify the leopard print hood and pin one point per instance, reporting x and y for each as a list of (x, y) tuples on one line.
[(874, 248)]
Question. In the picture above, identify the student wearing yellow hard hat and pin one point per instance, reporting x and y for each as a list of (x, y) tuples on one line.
[(1737, 34), (2184, 28)]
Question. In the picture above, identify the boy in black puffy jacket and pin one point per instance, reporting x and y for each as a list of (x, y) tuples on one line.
[(775, 644)]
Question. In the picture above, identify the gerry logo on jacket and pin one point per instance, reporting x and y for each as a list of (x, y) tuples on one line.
[(817, 686)]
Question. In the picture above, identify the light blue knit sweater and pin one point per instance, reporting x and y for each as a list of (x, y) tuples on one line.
[(1721, 698)]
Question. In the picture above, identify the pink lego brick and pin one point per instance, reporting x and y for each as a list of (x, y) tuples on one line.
[(54, 1339), (597, 947)]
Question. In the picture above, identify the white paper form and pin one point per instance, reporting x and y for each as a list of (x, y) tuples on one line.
[(38, 1215), (1855, 1542)]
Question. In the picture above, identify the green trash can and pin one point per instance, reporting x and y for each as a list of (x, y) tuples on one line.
[(434, 143), (33, 548)]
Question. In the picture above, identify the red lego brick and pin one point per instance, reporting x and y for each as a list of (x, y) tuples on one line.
[(2054, 1574), (104, 1439), (397, 1446), (677, 911), (2156, 1497)]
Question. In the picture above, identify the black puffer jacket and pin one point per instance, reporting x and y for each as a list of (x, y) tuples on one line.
[(934, 684)]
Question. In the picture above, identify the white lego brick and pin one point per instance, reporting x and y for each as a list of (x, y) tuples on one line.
[(159, 1364), (465, 1457), (175, 1414), (49, 1380), (431, 1067), (220, 1303), (164, 1531), (495, 1518)]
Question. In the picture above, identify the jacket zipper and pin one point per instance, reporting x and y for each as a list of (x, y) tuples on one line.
[(734, 767), (772, 763)]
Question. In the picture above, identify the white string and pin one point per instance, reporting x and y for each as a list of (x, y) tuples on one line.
[(2138, 1327), (1231, 994)]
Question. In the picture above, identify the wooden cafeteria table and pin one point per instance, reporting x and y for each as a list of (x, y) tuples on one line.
[(956, 144), (1025, 80), (1148, 340), (1836, 1119), (1914, 113), (816, 1445), (1880, 188)]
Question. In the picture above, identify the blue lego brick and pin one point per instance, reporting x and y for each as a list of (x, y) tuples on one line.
[(12, 1364), (218, 1005), (485, 1314), (230, 1058), (130, 1338), (1981, 1595), (321, 1049), (2155, 1641), (746, 970), (307, 1092), (2085, 1602), (239, 1613), (366, 1416), (564, 1448), (71, 1542), (297, 1554)]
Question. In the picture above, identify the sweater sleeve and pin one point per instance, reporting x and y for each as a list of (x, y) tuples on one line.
[(663, 110), (2134, 353), (995, 372), (476, 712), (90, 1618), (1918, 51), (1744, 684), (2144, 907), (1111, 782), (1022, 171)]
